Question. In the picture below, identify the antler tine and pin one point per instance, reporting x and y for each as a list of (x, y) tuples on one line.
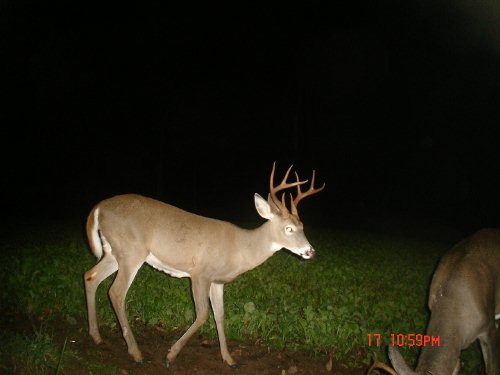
[(380, 365), (301, 195), (283, 185)]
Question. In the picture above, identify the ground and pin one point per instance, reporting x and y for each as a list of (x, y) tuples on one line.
[(200, 356)]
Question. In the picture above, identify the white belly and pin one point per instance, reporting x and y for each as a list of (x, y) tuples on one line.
[(156, 263)]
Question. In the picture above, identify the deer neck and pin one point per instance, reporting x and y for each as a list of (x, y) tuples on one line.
[(255, 246)]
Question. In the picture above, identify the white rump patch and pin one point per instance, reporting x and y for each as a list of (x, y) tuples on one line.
[(156, 263)]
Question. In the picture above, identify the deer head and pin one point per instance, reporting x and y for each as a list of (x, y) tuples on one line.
[(286, 227)]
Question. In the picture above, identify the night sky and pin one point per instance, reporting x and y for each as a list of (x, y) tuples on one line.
[(396, 104)]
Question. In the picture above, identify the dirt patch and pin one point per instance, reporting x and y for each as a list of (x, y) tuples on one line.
[(200, 356)]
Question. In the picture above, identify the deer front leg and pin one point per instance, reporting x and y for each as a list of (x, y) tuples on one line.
[(200, 289), (488, 341), (217, 300)]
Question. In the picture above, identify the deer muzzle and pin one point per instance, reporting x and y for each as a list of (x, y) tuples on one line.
[(308, 253)]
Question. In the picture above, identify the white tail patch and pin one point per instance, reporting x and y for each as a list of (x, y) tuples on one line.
[(95, 239), (99, 242)]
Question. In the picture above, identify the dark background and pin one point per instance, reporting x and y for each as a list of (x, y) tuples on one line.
[(394, 103)]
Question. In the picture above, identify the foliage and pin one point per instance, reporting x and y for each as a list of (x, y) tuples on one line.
[(34, 353), (358, 284)]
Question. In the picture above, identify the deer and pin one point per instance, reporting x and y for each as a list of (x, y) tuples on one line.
[(464, 301), (126, 231)]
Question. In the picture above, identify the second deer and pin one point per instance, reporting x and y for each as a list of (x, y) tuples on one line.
[(464, 300)]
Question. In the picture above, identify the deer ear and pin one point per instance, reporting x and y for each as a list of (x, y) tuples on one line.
[(263, 208)]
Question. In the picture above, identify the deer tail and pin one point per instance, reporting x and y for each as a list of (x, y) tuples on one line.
[(93, 233)]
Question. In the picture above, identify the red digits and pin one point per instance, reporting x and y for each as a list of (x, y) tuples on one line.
[(418, 339), (376, 336), (411, 339)]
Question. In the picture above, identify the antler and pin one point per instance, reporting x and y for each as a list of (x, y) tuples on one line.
[(284, 185), (380, 365), (301, 195)]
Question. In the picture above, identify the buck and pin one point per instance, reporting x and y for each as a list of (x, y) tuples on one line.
[(127, 230), (464, 300)]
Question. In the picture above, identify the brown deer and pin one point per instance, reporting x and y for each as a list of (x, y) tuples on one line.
[(127, 230), (464, 300)]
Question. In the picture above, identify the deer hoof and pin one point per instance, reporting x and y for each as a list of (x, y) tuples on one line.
[(235, 366), (167, 363), (137, 357), (97, 338)]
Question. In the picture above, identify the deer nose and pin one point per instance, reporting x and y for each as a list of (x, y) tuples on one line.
[(309, 253)]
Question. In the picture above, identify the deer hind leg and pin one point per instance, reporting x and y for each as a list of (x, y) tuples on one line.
[(217, 300), (117, 294), (92, 279), (488, 347), (200, 289)]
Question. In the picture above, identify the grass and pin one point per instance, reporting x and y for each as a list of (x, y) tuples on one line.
[(359, 283), (34, 353)]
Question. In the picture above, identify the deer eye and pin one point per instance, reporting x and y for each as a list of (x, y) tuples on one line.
[(289, 229)]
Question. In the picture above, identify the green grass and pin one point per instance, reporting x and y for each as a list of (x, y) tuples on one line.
[(34, 353), (358, 284)]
